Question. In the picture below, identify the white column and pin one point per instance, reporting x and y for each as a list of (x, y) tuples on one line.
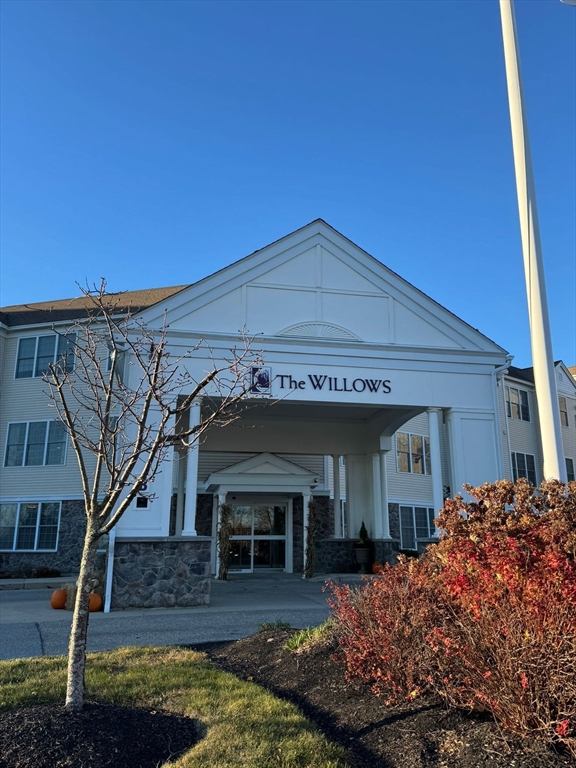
[(337, 504), (180, 492), (542, 358), (436, 468), (191, 477), (384, 496), (305, 513), (377, 496)]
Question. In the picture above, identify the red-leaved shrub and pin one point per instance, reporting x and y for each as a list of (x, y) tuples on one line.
[(487, 617), (382, 628)]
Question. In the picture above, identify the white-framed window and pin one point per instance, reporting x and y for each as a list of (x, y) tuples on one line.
[(570, 470), (524, 465), (29, 526), (563, 412), (413, 453), (35, 444), (35, 353), (415, 523), (517, 406)]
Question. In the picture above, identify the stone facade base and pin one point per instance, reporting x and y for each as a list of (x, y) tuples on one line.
[(161, 573), (337, 555), (386, 552)]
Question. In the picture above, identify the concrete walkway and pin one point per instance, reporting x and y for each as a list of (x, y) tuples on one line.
[(30, 627)]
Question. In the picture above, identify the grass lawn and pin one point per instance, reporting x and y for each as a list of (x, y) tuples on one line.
[(243, 725)]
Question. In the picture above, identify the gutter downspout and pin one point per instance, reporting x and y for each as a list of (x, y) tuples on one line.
[(109, 570), (497, 374)]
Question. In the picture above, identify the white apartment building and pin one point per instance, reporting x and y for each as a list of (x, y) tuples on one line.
[(371, 388)]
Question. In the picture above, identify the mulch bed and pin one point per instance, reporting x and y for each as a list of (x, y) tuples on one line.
[(422, 734), (101, 736)]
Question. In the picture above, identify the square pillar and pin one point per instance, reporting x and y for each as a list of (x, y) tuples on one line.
[(189, 528), (384, 496), (338, 533), (434, 415)]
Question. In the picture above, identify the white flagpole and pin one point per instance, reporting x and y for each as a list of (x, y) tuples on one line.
[(542, 360)]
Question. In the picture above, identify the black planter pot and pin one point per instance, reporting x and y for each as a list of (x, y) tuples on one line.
[(363, 554)]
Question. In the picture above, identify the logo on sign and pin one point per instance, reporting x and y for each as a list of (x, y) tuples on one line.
[(260, 380)]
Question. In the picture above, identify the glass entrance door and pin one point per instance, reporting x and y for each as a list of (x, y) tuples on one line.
[(258, 537)]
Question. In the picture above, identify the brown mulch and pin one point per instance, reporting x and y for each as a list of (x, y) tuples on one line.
[(101, 736), (421, 734)]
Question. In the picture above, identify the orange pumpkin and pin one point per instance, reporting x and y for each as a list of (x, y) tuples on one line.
[(95, 602), (58, 599), (377, 568)]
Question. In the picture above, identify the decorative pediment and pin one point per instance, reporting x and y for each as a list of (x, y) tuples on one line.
[(266, 471), (318, 330), (316, 284)]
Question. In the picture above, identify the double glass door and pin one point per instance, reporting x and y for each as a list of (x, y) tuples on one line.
[(258, 537)]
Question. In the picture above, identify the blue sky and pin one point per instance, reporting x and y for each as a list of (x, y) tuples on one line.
[(155, 142)]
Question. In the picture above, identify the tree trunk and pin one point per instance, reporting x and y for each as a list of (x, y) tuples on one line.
[(79, 631)]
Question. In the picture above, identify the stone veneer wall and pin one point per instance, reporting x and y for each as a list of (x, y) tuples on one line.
[(161, 573), (297, 534), (70, 541), (394, 517), (204, 511)]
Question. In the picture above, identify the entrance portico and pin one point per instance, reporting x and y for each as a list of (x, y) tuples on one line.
[(352, 355)]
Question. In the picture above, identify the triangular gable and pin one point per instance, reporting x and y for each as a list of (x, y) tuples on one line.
[(565, 382), (312, 283), (264, 472), (265, 463)]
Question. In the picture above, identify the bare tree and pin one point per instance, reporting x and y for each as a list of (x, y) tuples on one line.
[(121, 396)]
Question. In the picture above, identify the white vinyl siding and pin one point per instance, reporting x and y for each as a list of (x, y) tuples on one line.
[(408, 485), (29, 526), (25, 400), (525, 437), (504, 427)]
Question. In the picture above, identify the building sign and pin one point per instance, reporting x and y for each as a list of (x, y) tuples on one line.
[(261, 383), (326, 383)]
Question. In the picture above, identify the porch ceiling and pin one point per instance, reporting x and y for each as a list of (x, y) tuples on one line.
[(302, 427)]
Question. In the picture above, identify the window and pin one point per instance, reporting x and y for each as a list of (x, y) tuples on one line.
[(517, 404), (416, 523), (413, 453), (523, 465), (35, 443), (563, 411), (29, 526), (37, 352), (570, 470)]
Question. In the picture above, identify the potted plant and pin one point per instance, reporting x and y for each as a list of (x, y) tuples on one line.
[(362, 549)]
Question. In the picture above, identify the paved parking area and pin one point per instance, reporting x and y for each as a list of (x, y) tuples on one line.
[(30, 627)]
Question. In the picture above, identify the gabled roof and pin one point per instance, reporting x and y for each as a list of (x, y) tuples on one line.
[(523, 374), (74, 309), (527, 374), (270, 292)]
